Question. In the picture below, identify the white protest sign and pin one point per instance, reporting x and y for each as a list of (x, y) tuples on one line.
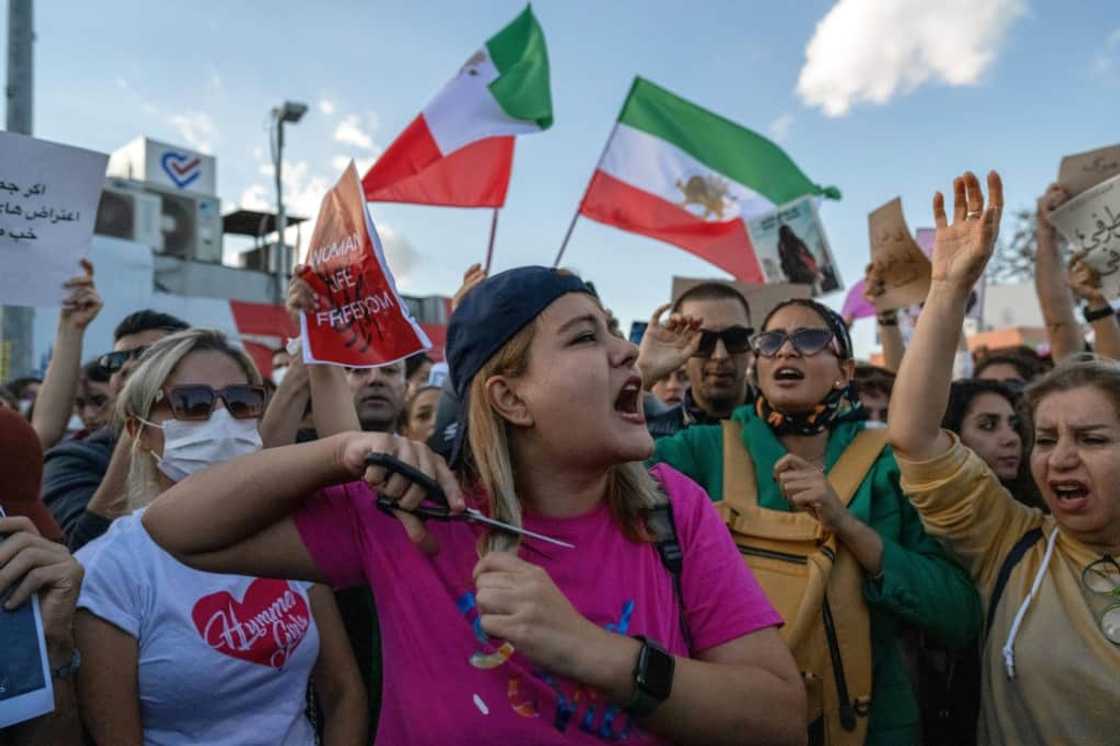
[(1091, 223), (48, 205)]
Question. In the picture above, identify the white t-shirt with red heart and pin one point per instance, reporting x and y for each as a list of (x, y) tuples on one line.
[(223, 659)]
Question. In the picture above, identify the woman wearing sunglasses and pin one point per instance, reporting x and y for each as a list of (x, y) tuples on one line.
[(1050, 583), (499, 637), (172, 655), (805, 418)]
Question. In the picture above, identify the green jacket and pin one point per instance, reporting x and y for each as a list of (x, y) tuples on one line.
[(920, 585)]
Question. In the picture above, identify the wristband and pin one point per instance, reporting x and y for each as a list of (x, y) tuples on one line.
[(887, 318), (1096, 314)]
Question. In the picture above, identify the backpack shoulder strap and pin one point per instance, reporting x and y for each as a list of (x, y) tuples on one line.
[(1022, 546), (663, 527), (740, 490), (855, 462)]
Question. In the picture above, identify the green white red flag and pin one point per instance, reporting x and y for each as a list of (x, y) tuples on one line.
[(684, 175), (459, 151)]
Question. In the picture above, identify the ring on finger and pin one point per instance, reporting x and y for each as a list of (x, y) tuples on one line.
[(974, 215)]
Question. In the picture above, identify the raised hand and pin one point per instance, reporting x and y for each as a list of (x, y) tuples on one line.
[(474, 275), (1054, 197), (961, 249), (1085, 282), (666, 347), (82, 303), (301, 298)]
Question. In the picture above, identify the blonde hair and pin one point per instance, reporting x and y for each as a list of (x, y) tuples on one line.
[(1079, 371), (144, 385), (630, 489)]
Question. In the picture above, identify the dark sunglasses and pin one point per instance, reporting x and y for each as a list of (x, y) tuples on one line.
[(805, 341), (737, 339), (196, 401), (114, 361)]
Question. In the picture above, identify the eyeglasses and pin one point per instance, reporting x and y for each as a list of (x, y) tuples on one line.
[(1102, 578), (805, 341), (196, 401), (737, 340), (114, 361)]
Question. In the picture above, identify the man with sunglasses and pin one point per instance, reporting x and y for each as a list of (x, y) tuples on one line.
[(717, 357), (84, 480)]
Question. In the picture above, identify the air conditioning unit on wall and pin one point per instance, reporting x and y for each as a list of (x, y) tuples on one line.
[(183, 225), (191, 226), (130, 214)]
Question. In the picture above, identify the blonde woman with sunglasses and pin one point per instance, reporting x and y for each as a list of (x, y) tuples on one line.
[(172, 655)]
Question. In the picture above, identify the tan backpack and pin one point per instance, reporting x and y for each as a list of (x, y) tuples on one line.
[(816, 585)]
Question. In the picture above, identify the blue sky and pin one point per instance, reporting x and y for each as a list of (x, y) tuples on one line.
[(1006, 84)]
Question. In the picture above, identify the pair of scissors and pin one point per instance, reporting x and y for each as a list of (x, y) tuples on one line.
[(435, 506)]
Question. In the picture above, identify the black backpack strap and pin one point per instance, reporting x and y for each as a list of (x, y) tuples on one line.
[(1026, 541), (663, 527)]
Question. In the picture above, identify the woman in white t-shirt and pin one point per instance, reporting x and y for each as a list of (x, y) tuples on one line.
[(172, 655)]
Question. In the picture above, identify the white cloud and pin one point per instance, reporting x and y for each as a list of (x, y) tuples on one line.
[(870, 50), (326, 106), (353, 131), (780, 127), (303, 191), (196, 128), (1108, 58)]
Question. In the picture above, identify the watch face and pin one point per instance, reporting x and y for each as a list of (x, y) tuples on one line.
[(658, 673)]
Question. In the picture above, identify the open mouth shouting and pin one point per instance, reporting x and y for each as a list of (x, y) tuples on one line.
[(788, 375), (628, 403), (1072, 495)]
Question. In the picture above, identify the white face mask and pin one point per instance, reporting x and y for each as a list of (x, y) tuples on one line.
[(190, 446)]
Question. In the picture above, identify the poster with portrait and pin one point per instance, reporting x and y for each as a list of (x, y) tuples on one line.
[(792, 247)]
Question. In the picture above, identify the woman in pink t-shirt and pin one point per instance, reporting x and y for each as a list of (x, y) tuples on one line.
[(532, 643)]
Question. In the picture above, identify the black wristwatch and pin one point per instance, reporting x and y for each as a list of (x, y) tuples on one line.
[(1096, 314), (653, 678)]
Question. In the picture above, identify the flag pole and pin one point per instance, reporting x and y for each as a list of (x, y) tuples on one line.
[(606, 146), (493, 232), (568, 235)]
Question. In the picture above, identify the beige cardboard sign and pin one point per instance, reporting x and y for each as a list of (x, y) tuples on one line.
[(1082, 171), (899, 274)]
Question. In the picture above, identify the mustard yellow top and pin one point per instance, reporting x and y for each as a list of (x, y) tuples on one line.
[(1066, 688)]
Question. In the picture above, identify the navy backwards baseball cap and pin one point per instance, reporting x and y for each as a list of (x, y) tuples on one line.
[(490, 315)]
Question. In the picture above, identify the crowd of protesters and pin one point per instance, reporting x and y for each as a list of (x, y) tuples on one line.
[(732, 534)]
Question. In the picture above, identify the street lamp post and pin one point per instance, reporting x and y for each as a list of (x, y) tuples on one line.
[(292, 112)]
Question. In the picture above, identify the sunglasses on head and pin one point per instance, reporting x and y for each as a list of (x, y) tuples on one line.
[(805, 341), (737, 339), (196, 401), (114, 361)]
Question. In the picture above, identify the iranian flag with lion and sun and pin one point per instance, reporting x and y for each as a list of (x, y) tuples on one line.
[(681, 174)]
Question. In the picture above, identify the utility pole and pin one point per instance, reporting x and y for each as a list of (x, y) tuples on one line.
[(15, 321)]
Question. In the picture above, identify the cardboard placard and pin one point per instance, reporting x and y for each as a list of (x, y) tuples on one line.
[(48, 206), (361, 321), (1082, 171), (1091, 223), (792, 247), (902, 271)]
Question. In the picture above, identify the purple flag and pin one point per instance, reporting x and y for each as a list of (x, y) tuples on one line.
[(855, 305)]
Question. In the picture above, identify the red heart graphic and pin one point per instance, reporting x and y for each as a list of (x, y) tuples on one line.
[(266, 627), (185, 168)]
